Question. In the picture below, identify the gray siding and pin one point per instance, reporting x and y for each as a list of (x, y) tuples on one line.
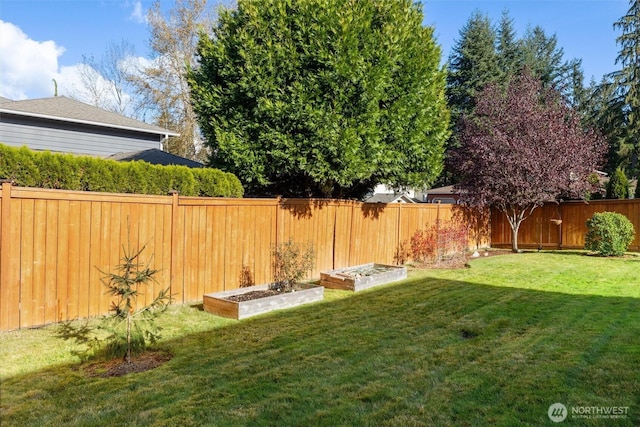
[(72, 138)]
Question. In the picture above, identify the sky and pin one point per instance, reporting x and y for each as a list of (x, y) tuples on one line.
[(42, 40)]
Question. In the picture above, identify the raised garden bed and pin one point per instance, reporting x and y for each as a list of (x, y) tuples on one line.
[(362, 276), (253, 300)]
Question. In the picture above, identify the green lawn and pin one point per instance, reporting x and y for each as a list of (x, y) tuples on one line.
[(494, 344)]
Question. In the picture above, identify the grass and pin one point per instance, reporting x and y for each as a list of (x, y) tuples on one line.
[(494, 344)]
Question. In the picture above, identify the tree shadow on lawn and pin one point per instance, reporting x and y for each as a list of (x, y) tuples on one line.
[(422, 351)]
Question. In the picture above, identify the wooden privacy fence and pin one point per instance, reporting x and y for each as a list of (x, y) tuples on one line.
[(53, 244), (562, 226)]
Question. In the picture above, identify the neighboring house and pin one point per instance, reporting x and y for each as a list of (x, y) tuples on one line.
[(389, 198), (61, 124), (385, 194), (156, 157), (411, 195), (445, 194)]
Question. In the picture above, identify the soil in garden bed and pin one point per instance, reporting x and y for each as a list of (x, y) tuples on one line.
[(252, 295)]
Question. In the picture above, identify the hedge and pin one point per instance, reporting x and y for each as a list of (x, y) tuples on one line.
[(27, 168)]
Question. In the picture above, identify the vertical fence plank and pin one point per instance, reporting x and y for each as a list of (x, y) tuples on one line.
[(27, 248), (73, 263), (62, 251), (84, 260)]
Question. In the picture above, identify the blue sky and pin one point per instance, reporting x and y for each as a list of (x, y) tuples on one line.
[(45, 39)]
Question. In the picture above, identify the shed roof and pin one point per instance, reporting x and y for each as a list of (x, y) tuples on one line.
[(156, 157)]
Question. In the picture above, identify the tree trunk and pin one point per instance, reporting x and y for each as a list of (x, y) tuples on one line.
[(514, 237), (128, 356)]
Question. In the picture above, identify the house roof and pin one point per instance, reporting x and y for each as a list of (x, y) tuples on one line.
[(156, 157), (389, 198), (448, 189), (69, 110)]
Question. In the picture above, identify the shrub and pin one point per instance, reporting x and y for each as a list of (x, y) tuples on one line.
[(423, 244), (215, 183), (609, 234), (618, 185), (97, 175), (291, 262), (637, 193), (443, 240), (27, 168), (18, 166)]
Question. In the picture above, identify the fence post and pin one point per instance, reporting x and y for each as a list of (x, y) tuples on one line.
[(175, 255), (9, 266), (399, 229)]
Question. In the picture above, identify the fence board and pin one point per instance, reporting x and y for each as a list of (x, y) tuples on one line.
[(84, 260), (51, 263), (62, 254), (73, 260), (26, 264), (39, 261)]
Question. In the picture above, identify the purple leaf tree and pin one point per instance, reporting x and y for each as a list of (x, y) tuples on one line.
[(522, 147)]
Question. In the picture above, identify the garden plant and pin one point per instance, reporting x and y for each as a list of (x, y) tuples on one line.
[(609, 234)]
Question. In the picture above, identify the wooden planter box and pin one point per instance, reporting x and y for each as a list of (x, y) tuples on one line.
[(217, 303), (362, 276)]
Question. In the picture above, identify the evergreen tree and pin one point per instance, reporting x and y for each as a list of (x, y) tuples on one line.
[(544, 58), (507, 48), (627, 85), (473, 64), (322, 97), (604, 110), (618, 185)]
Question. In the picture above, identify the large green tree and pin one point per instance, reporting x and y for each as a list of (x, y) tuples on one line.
[(604, 110), (627, 85), (508, 47), (473, 63), (322, 97)]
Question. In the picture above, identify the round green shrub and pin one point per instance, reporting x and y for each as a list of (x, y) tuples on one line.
[(609, 234)]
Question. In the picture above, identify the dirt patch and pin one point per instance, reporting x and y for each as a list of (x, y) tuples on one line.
[(252, 295), (492, 252), (117, 367)]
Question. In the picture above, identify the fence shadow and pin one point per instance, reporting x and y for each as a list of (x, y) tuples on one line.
[(478, 220)]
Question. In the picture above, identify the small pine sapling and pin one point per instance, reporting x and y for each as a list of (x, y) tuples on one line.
[(125, 285)]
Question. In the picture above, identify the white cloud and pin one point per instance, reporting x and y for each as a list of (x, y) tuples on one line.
[(138, 14), (27, 67)]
